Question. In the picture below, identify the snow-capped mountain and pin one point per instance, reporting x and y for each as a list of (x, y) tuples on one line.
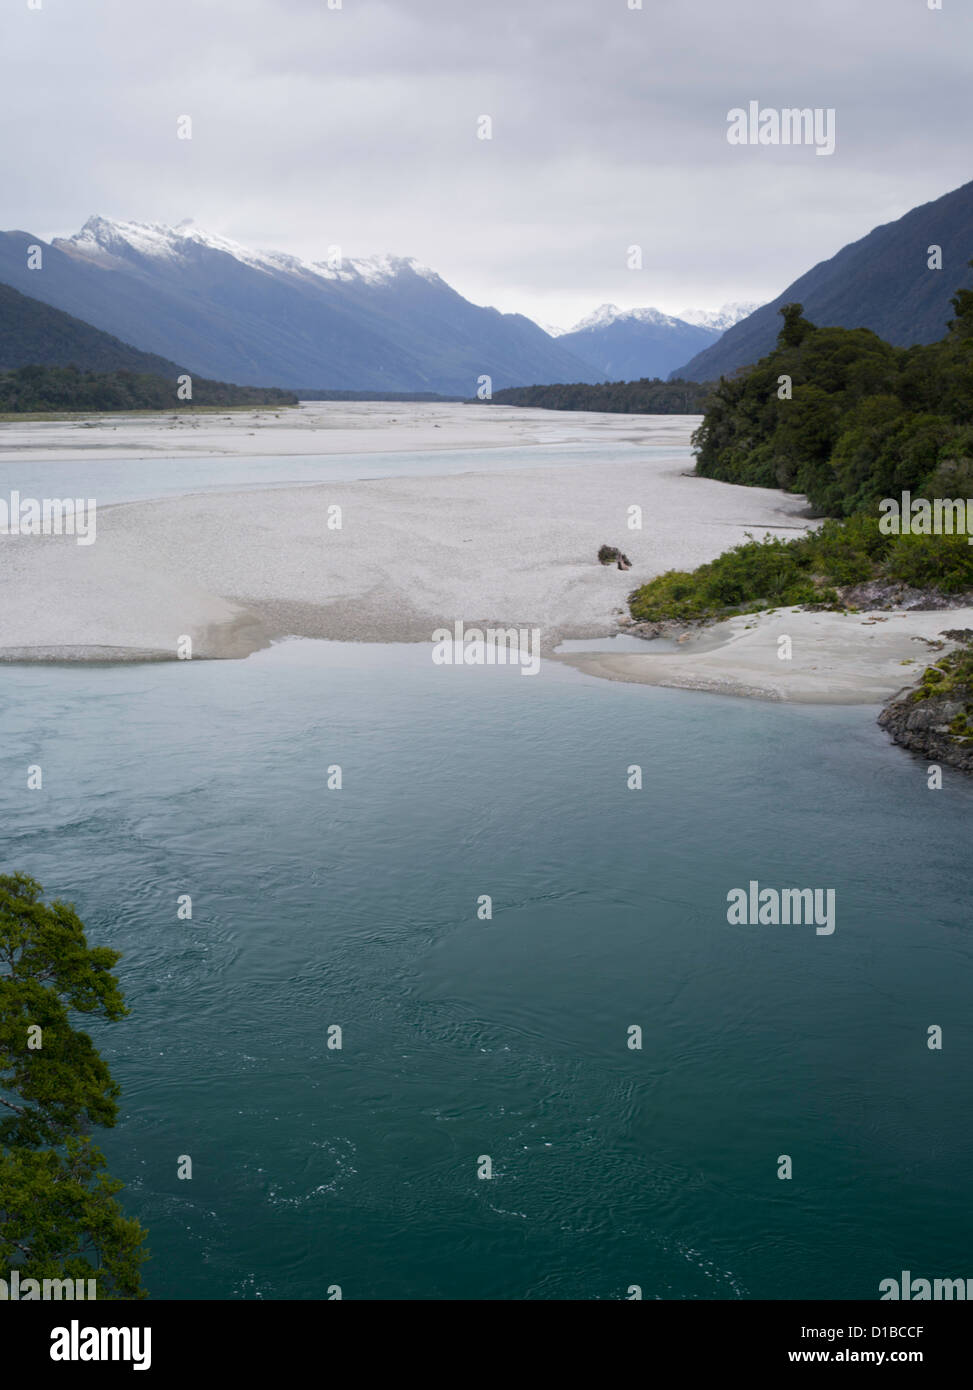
[(103, 240), (628, 344), (267, 318), (719, 319), (610, 313)]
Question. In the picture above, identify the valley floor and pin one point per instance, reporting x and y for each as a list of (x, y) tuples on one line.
[(514, 547), (327, 427)]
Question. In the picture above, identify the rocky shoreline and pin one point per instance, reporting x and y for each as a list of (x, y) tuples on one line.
[(936, 724)]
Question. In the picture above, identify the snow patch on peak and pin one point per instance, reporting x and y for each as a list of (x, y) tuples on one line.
[(716, 319), (102, 238), (102, 235), (604, 314), (373, 270), (608, 314), (720, 319), (378, 270)]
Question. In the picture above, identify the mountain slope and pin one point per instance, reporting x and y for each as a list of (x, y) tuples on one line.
[(628, 344), (268, 318), (32, 332), (881, 282)]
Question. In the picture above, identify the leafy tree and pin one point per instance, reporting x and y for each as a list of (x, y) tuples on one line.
[(962, 325), (865, 420), (58, 1213), (796, 326)]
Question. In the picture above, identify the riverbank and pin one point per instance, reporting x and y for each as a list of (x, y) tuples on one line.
[(386, 559), (828, 657), (393, 558)]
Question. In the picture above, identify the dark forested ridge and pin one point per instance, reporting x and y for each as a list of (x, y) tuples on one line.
[(883, 282), (650, 396), (31, 331), (51, 361), (37, 389)]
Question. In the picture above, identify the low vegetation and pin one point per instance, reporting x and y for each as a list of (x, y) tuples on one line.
[(775, 573)]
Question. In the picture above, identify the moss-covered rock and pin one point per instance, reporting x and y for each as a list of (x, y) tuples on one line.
[(935, 720)]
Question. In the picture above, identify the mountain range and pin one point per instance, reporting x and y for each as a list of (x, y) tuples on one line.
[(389, 324), (270, 319), (882, 282), (380, 324)]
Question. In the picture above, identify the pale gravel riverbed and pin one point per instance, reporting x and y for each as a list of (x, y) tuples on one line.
[(234, 571)]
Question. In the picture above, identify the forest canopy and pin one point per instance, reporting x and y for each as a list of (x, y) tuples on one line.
[(38, 388), (650, 396), (845, 418)]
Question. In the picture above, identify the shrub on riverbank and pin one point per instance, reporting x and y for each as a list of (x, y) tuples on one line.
[(775, 573)]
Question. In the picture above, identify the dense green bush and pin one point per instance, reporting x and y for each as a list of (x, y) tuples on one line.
[(775, 573), (865, 421), (767, 573), (940, 562)]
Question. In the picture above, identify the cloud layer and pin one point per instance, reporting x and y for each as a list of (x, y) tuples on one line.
[(357, 126)]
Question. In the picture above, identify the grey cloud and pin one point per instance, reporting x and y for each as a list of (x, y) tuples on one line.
[(314, 126)]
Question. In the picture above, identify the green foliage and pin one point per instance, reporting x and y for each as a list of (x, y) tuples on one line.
[(37, 389), (58, 1214), (845, 552), (775, 573), (767, 573), (865, 420), (650, 396), (796, 327), (941, 562), (59, 1220), (952, 679)]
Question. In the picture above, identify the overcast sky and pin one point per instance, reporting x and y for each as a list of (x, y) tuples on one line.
[(357, 126)]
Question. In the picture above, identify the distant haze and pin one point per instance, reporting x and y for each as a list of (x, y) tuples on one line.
[(357, 127)]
